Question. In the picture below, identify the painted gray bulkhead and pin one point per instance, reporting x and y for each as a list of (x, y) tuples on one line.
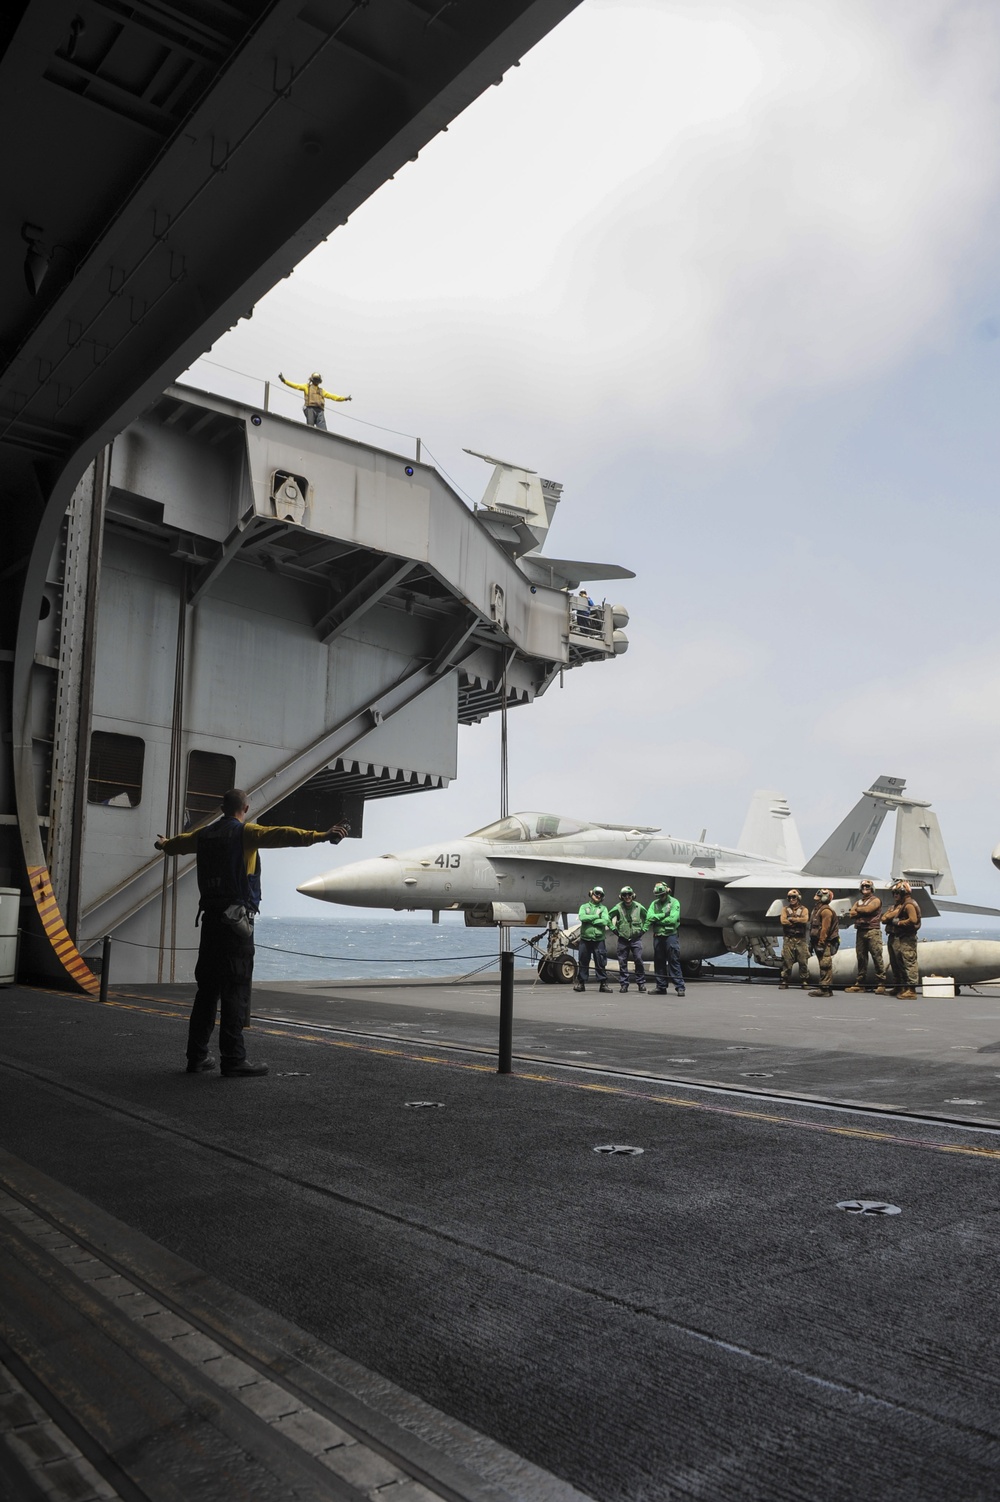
[(331, 650)]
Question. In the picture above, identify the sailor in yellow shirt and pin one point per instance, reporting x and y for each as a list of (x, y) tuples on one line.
[(229, 899), (315, 398)]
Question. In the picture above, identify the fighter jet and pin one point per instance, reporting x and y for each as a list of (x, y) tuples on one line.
[(530, 868)]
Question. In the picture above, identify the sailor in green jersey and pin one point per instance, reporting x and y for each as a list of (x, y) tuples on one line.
[(663, 916), (594, 921), (628, 919)]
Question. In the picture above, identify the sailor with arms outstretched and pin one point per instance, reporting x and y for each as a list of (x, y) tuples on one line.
[(228, 902), (315, 398)]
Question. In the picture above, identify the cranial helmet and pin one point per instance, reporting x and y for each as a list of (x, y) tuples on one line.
[(867, 883), (315, 376), (902, 886), (597, 891), (824, 895), (794, 892), (627, 892), (661, 889)]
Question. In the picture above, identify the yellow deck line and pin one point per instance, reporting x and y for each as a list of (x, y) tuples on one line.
[(742, 1113)]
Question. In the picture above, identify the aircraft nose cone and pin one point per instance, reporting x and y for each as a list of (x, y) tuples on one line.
[(371, 883)]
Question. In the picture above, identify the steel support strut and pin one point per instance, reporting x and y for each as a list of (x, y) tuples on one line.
[(506, 1004)]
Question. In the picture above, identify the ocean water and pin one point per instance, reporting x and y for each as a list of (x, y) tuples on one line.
[(336, 948), (339, 948)]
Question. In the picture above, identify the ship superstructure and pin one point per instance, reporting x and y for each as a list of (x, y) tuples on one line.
[(239, 600)]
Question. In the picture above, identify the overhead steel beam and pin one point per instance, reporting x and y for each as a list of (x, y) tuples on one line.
[(249, 524), (383, 578), (451, 649)]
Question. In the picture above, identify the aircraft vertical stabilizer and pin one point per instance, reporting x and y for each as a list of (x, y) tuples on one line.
[(919, 853), (769, 830), (847, 849)]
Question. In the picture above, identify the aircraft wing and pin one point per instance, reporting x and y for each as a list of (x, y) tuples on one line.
[(929, 905), (568, 573), (783, 881), (966, 907), (665, 870)]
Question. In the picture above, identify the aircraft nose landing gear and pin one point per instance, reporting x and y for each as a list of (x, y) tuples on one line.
[(561, 972), (556, 966)]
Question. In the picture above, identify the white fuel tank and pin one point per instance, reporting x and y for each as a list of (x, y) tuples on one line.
[(969, 961)]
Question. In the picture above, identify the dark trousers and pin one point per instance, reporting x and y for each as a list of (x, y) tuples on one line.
[(633, 947), (224, 976), (592, 948), (667, 961), (315, 418)]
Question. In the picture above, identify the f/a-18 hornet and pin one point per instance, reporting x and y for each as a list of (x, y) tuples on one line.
[(531, 867)]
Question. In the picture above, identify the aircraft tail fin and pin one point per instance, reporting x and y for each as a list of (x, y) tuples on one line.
[(919, 853), (848, 848), (769, 830)]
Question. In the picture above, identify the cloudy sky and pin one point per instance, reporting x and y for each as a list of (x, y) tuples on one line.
[(730, 272)]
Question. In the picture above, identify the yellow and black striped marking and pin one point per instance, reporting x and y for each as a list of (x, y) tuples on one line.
[(63, 947)]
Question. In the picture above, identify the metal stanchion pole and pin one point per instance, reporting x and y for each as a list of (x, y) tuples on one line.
[(105, 965), (506, 1004)]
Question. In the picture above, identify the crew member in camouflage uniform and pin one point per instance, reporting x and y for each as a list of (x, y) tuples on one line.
[(594, 921), (866, 916), (901, 924), (663, 916), (628, 919), (824, 936), (795, 946)]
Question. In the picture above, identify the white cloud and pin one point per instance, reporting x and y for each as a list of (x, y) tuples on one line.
[(672, 214), (674, 224), (927, 709)]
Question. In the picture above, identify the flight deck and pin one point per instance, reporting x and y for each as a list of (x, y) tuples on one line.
[(387, 1257), (936, 1058)]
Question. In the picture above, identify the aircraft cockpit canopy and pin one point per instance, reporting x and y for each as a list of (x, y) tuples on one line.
[(530, 827)]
